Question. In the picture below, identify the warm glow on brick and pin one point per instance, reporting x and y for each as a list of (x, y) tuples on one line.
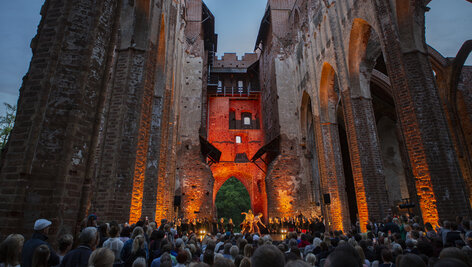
[(224, 138)]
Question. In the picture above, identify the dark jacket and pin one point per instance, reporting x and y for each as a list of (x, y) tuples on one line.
[(30, 246), (77, 258)]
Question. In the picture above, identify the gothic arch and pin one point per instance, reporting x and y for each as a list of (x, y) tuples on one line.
[(329, 98), (364, 49)]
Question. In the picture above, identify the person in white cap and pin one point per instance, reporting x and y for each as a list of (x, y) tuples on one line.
[(41, 230)]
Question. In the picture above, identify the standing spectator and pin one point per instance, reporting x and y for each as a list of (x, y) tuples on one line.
[(114, 243), (103, 231), (65, 245), (80, 256), (41, 256), (128, 245), (10, 250), (41, 230), (138, 250)]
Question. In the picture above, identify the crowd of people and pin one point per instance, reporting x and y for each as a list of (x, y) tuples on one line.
[(401, 241)]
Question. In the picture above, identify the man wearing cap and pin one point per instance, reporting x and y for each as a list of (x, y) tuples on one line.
[(41, 229)]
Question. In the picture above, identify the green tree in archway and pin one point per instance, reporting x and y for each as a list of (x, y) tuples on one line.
[(231, 200)]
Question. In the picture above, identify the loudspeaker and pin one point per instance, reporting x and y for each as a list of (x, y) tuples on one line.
[(327, 199), (177, 201)]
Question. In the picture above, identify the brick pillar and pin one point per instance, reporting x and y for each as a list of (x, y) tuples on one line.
[(439, 183), (366, 161), (332, 175), (46, 169)]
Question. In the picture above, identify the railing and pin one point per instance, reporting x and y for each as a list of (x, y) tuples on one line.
[(233, 91)]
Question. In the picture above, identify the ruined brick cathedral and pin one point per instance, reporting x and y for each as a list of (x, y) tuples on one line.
[(342, 110)]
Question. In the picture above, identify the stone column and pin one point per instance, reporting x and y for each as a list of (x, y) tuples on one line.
[(366, 161), (439, 182), (46, 168), (332, 175)]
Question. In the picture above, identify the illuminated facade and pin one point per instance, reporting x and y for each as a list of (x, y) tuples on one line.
[(337, 113)]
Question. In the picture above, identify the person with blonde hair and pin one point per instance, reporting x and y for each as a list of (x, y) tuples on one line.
[(138, 250), (139, 262), (41, 256), (10, 250), (102, 257), (311, 259), (127, 250)]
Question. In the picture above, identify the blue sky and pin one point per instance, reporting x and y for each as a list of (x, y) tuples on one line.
[(237, 23)]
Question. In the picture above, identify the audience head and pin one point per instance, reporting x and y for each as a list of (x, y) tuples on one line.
[(454, 253), (102, 257), (268, 256), (409, 260), (223, 262), (138, 244), (139, 262), (114, 230), (42, 226), (297, 263), (343, 256), (245, 262), (10, 249), (41, 256), (65, 243), (89, 237)]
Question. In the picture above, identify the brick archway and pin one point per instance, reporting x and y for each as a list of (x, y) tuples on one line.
[(249, 175)]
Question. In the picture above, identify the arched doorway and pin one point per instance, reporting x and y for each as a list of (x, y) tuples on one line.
[(232, 199)]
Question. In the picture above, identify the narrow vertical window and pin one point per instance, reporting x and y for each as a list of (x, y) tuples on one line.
[(238, 139), (247, 121)]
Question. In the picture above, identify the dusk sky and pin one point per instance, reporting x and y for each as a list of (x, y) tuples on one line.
[(237, 22)]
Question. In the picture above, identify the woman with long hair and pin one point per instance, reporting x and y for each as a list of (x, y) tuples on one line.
[(138, 250), (10, 250)]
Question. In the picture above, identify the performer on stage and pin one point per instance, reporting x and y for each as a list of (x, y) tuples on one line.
[(247, 224), (256, 221), (230, 226), (221, 226)]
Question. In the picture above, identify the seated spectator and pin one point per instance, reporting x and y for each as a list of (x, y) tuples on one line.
[(223, 262), (409, 260), (450, 262), (297, 263), (139, 262), (455, 253), (268, 256)]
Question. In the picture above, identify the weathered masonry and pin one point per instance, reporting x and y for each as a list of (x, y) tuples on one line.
[(342, 110)]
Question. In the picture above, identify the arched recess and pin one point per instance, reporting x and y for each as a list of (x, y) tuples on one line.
[(231, 199), (309, 146), (244, 172), (364, 49), (333, 184)]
